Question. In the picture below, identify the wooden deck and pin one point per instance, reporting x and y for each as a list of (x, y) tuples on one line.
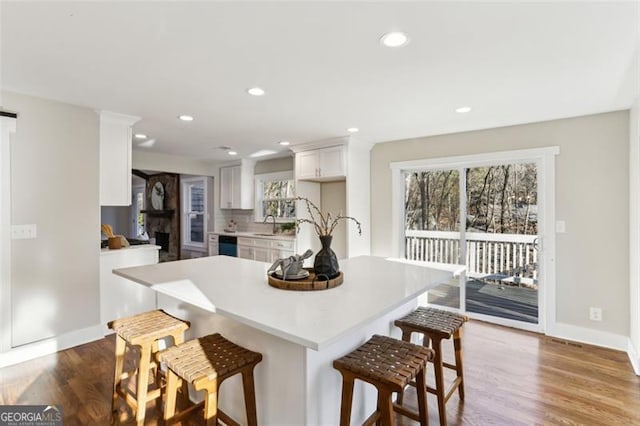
[(490, 297)]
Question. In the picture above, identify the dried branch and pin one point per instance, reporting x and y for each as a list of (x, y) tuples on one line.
[(324, 224), (338, 218)]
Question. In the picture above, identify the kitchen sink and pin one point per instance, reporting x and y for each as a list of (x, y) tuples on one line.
[(263, 235)]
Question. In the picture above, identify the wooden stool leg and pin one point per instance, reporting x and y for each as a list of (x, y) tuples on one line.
[(178, 338), (171, 390), (121, 346), (249, 396), (421, 387), (211, 404), (457, 345), (143, 383), (406, 336), (347, 395), (439, 373), (380, 409), (386, 406)]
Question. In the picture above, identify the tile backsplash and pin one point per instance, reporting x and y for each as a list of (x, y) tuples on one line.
[(245, 220)]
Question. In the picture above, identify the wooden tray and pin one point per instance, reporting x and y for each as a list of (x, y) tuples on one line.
[(305, 284)]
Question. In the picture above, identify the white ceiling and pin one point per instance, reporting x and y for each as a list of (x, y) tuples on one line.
[(321, 65)]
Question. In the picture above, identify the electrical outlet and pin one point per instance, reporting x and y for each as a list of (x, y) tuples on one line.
[(595, 314), (23, 232)]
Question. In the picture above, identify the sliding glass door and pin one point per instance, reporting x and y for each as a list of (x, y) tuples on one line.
[(495, 236)]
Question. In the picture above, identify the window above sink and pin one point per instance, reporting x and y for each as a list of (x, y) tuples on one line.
[(275, 195)]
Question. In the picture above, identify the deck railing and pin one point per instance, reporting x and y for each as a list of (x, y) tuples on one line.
[(509, 255)]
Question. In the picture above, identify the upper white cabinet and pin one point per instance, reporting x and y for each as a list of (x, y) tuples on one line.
[(236, 186), (335, 160), (322, 164), (115, 158)]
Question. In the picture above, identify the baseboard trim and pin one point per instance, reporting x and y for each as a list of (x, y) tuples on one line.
[(589, 336), (52, 345), (634, 357)]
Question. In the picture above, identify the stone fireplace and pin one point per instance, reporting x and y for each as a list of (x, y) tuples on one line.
[(164, 224)]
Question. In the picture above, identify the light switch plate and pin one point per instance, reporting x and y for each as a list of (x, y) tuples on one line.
[(561, 227), (23, 232)]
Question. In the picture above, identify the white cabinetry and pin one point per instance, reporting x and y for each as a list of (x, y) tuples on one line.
[(323, 164), (236, 186), (213, 244), (120, 297), (265, 249), (321, 167), (115, 158)]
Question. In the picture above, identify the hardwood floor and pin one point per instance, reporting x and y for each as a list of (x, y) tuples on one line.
[(511, 378)]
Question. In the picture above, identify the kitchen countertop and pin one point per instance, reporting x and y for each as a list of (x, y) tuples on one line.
[(105, 251), (256, 235), (238, 289)]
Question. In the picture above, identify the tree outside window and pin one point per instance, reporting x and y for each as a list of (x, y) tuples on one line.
[(275, 195)]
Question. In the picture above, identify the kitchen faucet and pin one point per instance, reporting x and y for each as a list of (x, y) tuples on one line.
[(274, 222)]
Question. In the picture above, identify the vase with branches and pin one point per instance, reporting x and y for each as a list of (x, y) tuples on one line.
[(326, 262)]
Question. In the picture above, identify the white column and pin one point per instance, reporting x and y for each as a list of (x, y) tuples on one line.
[(7, 127)]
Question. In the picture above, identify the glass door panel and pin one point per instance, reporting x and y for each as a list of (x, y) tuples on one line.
[(432, 226), (501, 237)]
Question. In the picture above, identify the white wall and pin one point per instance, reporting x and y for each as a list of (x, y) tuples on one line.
[(7, 129), (592, 197), (359, 197), (333, 199), (274, 165), (54, 171), (634, 234), (145, 160)]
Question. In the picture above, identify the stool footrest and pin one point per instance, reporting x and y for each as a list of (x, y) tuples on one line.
[(450, 391), (406, 412), (222, 416), (372, 419), (449, 366)]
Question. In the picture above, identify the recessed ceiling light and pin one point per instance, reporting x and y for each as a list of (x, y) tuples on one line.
[(147, 144), (256, 91), (353, 130), (186, 118), (284, 143), (262, 153), (232, 153), (394, 39), (140, 136), (463, 109)]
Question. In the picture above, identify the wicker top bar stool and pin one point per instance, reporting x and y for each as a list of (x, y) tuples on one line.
[(206, 362), (436, 325), (389, 365), (141, 332)]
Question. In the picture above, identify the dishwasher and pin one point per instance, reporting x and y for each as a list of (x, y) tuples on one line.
[(228, 245)]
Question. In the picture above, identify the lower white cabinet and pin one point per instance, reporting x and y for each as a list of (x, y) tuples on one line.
[(120, 297), (213, 244), (265, 249)]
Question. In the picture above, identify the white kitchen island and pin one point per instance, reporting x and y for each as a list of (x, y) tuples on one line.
[(299, 333)]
